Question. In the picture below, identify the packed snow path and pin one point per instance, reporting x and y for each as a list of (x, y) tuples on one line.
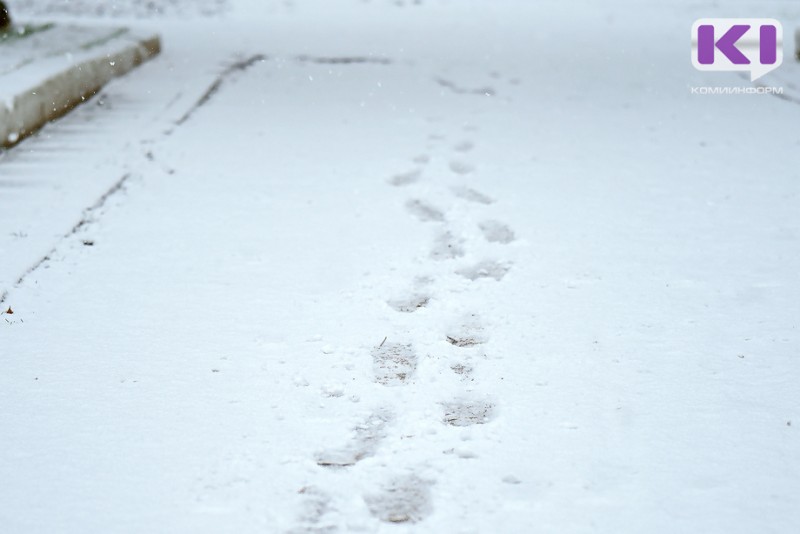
[(399, 267)]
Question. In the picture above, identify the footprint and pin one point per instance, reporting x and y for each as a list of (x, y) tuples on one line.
[(485, 269), (461, 453), (316, 505), (461, 167), (332, 391), (365, 441), (418, 298), (411, 304), (464, 146), (424, 212), (496, 232), (422, 159), (393, 363), (467, 333), (471, 195), (463, 370), (467, 412), (447, 247), (404, 499), (406, 178)]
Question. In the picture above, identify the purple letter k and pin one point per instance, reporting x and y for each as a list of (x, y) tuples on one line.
[(726, 44)]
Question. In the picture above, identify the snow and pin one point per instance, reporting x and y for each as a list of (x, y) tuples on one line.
[(407, 267), (29, 60)]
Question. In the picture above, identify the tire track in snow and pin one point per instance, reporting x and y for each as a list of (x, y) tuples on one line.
[(233, 69), (89, 217), (242, 65)]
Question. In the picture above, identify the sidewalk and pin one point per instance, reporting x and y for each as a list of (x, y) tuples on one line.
[(400, 270)]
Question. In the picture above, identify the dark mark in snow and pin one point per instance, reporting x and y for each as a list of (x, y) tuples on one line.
[(463, 341), (483, 91), (410, 304), (88, 214), (344, 60)]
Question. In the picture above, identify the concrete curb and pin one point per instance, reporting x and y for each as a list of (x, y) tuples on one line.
[(57, 95)]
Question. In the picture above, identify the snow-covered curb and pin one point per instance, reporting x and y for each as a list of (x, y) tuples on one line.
[(58, 94)]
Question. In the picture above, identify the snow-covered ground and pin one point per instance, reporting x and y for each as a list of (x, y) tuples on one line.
[(436, 266)]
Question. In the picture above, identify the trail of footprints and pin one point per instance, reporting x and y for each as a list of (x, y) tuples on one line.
[(407, 498)]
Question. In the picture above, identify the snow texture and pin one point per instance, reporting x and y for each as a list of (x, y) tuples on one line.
[(405, 266)]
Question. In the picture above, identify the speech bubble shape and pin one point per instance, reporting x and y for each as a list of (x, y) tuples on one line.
[(737, 45)]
